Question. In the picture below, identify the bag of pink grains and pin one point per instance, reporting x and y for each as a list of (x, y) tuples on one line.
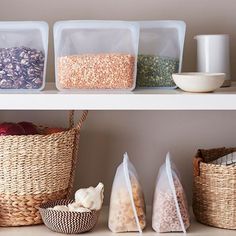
[(170, 207)]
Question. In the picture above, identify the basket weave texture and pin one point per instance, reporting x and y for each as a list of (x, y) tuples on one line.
[(35, 169), (66, 221), (214, 189)]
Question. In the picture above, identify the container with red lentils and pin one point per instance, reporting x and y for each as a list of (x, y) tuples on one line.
[(96, 55)]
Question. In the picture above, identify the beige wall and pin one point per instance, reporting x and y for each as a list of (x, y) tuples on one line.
[(201, 16), (147, 136)]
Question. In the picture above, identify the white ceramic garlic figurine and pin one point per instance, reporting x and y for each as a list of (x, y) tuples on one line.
[(77, 207), (91, 198)]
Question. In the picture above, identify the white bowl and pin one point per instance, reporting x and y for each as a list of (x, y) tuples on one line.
[(198, 82)]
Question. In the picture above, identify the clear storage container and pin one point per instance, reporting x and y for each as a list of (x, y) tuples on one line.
[(98, 55), (23, 55), (161, 46), (127, 212)]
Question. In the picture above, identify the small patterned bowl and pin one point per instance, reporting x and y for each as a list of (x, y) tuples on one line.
[(67, 222)]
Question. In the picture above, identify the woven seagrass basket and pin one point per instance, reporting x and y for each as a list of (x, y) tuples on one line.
[(214, 189), (35, 169), (66, 221)]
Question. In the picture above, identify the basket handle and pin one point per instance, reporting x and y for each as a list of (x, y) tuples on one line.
[(82, 119), (196, 166)]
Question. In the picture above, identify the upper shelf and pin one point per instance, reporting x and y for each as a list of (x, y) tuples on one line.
[(140, 99)]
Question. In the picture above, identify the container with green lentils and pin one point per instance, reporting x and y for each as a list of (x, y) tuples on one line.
[(161, 45), (156, 71)]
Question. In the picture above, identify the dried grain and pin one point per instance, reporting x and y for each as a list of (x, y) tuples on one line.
[(96, 71), (165, 217), (156, 71)]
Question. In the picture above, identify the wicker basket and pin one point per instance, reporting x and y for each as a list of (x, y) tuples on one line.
[(67, 222), (35, 169), (214, 189)]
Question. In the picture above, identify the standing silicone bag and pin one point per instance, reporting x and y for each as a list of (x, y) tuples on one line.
[(170, 208), (96, 55), (161, 45), (127, 206), (23, 55)]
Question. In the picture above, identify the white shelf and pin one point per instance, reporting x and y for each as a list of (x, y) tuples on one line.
[(101, 229), (140, 99)]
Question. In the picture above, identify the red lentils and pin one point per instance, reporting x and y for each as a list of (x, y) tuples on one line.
[(96, 71)]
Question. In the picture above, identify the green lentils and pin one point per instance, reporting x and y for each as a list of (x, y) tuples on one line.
[(156, 71)]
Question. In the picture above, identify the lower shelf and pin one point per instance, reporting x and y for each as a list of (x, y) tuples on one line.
[(102, 230)]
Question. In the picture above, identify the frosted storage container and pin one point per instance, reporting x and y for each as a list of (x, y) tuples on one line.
[(98, 55), (161, 46), (23, 55)]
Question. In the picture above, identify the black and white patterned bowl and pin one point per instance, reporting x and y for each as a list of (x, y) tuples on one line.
[(67, 222)]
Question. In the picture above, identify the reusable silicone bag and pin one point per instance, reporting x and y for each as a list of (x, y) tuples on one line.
[(161, 47), (92, 55), (127, 206), (170, 207), (23, 55)]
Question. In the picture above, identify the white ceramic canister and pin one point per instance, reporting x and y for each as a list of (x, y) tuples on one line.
[(213, 55)]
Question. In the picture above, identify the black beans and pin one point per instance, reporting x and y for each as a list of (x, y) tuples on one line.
[(21, 68), (156, 71)]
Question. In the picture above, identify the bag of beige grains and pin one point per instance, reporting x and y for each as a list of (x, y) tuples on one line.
[(96, 55), (127, 206), (170, 207)]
